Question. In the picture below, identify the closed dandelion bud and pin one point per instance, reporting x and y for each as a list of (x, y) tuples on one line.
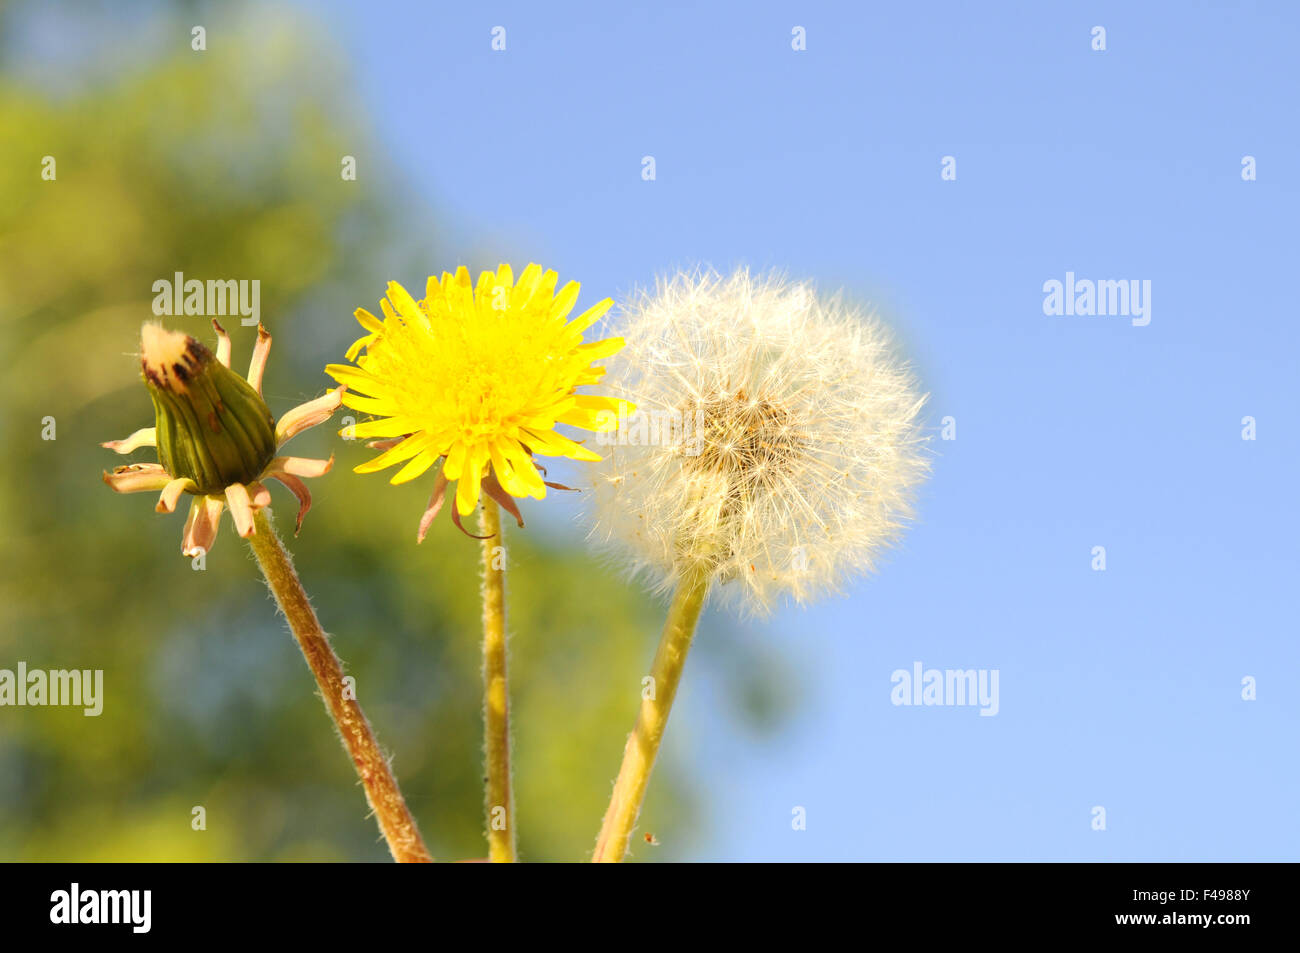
[(215, 437), (212, 426)]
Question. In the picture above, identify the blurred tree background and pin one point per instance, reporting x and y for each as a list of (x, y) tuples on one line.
[(226, 164)]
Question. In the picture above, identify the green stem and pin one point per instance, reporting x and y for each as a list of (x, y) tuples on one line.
[(496, 694), (643, 745), (381, 789)]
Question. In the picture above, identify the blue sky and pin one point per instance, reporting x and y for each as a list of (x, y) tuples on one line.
[(1121, 688)]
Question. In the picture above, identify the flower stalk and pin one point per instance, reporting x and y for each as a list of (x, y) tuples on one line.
[(656, 704), (385, 798), (496, 694)]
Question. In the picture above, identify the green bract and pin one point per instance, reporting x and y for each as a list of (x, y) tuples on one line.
[(212, 426)]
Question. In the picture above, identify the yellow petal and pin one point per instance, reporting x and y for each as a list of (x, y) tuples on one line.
[(527, 283), (524, 467), (355, 378), (487, 283), (598, 349), (357, 346), (415, 468), (599, 421), (565, 300), (589, 317), (403, 451), (467, 489), (546, 287), (369, 321), (403, 302), (379, 406), (552, 444), (389, 427), (510, 481), (455, 461)]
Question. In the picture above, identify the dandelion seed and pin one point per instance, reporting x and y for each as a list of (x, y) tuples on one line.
[(799, 450)]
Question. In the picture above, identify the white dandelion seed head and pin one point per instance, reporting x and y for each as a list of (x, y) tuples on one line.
[(776, 441)]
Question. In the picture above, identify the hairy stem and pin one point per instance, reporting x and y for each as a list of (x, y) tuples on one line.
[(496, 694), (656, 704), (381, 789)]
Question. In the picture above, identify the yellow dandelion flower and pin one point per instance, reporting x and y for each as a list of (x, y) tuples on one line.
[(476, 377)]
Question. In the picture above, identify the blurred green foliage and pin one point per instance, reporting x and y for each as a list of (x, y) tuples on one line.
[(226, 165)]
